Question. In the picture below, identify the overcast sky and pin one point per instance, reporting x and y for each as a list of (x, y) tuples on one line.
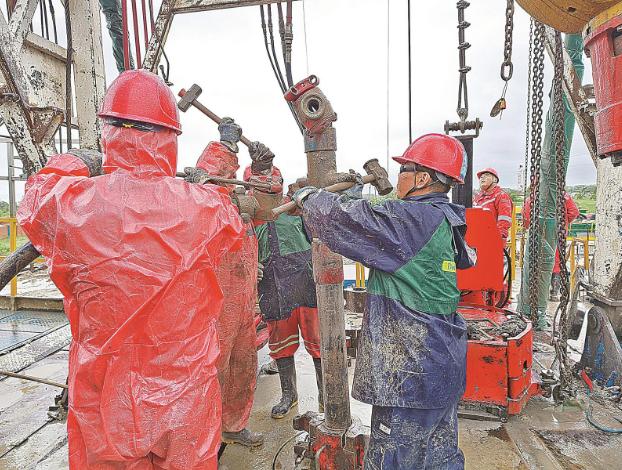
[(223, 52)]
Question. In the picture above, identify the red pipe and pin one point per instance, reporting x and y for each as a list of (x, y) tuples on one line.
[(139, 60), (146, 34), (126, 36), (151, 16)]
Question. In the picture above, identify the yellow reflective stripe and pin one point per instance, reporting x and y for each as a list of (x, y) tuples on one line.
[(282, 347), (284, 340)]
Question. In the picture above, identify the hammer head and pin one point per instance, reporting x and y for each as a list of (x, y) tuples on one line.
[(187, 97), (382, 183)]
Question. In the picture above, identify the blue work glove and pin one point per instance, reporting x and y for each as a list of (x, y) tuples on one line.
[(230, 134), (356, 191), (302, 194)]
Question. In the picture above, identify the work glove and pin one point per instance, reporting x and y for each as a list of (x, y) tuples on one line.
[(195, 175), (356, 191), (230, 134), (295, 186), (302, 194), (261, 157), (260, 268)]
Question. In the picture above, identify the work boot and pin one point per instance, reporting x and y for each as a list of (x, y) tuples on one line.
[(270, 368), (244, 437), (542, 323), (555, 287), (289, 397), (320, 387)]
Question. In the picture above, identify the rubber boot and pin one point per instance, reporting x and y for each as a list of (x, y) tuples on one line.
[(320, 387), (555, 287), (289, 397), (244, 437), (541, 324)]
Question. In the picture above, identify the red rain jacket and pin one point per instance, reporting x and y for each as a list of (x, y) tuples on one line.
[(500, 204), (129, 251), (572, 212)]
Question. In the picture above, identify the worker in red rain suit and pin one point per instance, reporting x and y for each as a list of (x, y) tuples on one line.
[(237, 276), (495, 199), (127, 250), (572, 212)]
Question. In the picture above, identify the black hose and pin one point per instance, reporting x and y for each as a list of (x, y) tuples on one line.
[(279, 77), (507, 277)]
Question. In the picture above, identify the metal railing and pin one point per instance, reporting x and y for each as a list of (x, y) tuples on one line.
[(576, 246), (12, 222)]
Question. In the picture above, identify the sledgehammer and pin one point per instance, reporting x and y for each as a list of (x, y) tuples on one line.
[(376, 175), (189, 98)]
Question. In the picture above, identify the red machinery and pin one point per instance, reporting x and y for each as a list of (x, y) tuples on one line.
[(603, 44), (499, 353)]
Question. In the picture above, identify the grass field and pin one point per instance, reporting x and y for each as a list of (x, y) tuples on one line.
[(588, 205)]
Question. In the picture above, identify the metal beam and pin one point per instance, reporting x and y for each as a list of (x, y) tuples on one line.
[(21, 18), (89, 74), (14, 111), (169, 8), (158, 39), (575, 95), (190, 6)]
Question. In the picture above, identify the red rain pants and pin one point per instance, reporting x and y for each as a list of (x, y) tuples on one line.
[(237, 364), (284, 337)]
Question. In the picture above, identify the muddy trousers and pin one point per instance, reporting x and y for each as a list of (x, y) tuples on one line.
[(285, 338), (237, 368), (414, 439)]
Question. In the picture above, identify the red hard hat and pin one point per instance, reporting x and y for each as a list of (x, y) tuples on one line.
[(492, 171), (438, 152), (139, 95)]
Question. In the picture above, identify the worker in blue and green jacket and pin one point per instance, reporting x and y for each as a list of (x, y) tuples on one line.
[(411, 361)]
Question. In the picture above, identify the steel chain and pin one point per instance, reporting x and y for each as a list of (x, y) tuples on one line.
[(560, 332), (463, 94), (507, 68), (527, 120), (535, 226)]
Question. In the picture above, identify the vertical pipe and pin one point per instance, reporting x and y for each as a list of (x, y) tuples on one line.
[(586, 253), (136, 35), (126, 36), (328, 274), (513, 232), (11, 177), (463, 193), (573, 260), (145, 33), (12, 248)]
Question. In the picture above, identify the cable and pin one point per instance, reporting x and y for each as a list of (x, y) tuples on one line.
[(410, 88), (276, 59), (588, 416), (508, 277), (304, 20), (279, 78), (278, 452)]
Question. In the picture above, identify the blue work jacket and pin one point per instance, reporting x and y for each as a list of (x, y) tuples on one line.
[(412, 347)]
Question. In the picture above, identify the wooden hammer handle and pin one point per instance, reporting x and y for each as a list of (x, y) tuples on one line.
[(333, 188), (214, 117)]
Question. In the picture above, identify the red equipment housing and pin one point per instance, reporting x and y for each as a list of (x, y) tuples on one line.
[(499, 375), (603, 45)]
